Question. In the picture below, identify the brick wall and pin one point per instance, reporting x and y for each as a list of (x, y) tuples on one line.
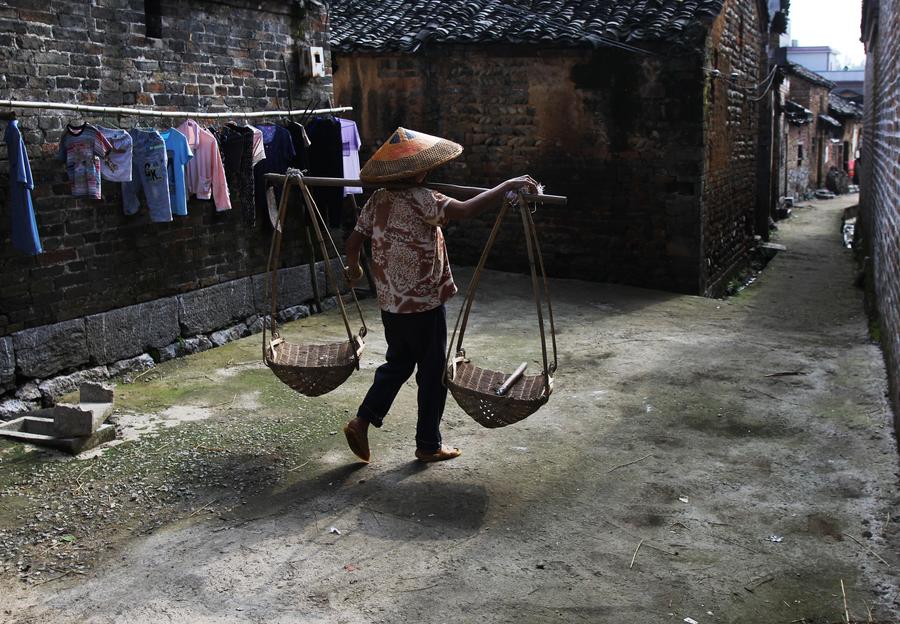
[(213, 56), (798, 167), (808, 174), (736, 43), (880, 176), (620, 134)]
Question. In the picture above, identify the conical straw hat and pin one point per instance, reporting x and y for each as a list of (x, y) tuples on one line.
[(406, 154)]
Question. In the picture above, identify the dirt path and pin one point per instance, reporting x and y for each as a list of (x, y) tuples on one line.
[(742, 487)]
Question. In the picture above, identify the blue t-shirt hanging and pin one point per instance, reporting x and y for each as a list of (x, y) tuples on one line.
[(24, 226), (179, 153)]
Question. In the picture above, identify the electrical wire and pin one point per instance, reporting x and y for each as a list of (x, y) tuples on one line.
[(770, 85)]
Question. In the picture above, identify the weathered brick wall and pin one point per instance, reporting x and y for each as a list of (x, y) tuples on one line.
[(798, 167), (619, 133), (782, 159), (880, 175), (213, 56), (815, 98), (736, 43)]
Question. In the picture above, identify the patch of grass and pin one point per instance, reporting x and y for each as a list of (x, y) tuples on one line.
[(874, 329)]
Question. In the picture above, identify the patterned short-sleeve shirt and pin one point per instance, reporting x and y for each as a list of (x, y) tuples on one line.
[(409, 254)]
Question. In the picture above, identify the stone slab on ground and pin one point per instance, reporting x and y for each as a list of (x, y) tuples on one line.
[(69, 421), (46, 350), (7, 364), (22, 430), (129, 331), (212, 308)]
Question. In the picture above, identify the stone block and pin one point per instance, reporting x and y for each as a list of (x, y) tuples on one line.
[(294, 288), (48, 349), (256, 326), (93, 392), (131, 365), (330, 303), (36, 430), (53, 389), (29, 392), (7, 364), (215, 307), (225, 336), (69, 421), (129, 331), (197, 345), (13, 408), (166, 353), (325, 286), (292, 314)]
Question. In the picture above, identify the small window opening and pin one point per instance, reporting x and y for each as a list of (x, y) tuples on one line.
[(153, 18), (800, 155)]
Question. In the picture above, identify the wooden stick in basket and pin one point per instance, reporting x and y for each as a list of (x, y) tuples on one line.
[(512, 379)]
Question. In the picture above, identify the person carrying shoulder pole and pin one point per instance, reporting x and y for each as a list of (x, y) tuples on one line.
[(413, 280)]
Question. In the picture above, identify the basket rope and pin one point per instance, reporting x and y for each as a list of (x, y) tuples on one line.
[(472, 386), (309, 369)]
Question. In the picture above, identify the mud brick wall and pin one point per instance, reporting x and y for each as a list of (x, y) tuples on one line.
[(617, 133), (880, 176), (815, 98), (736, 44), (799, 169), (621, 134), (213, 56)]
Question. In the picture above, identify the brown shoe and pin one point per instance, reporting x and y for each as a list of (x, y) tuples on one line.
[(442, 454), (357, 440)]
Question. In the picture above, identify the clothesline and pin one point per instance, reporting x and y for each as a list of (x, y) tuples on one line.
[(119, 110)]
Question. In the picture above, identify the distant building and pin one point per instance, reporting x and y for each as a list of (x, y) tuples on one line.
[(808, 130), (850, 115), (823, 60)]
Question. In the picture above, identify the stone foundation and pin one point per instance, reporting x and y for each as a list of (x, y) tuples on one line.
[(39, 365)]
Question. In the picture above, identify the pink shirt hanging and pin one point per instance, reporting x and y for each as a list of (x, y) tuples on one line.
[(205, 171)]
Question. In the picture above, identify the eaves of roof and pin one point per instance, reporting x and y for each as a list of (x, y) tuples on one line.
[(407, 25)]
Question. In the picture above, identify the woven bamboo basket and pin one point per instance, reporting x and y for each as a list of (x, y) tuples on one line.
[(476, 389), (310, 369)]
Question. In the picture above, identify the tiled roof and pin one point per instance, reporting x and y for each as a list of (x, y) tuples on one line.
[(796, 114), (831, 121), (807, 74), (406, 25), (842, 107)]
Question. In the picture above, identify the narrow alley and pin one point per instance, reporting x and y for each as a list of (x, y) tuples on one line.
[(719, 460)]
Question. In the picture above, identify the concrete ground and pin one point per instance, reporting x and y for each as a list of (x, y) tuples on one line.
[(725, 461)]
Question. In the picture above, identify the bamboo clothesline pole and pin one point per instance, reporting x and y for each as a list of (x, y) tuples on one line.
[(453, 190), (121, 110)]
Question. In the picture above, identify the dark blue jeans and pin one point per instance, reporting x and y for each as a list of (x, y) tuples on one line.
[(417, 340)]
